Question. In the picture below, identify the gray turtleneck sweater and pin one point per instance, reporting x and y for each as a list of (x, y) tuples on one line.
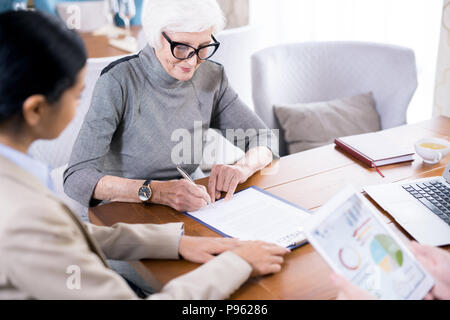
[(131, 127)]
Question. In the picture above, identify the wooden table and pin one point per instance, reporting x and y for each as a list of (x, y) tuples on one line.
[(307, 179), (98, 46)]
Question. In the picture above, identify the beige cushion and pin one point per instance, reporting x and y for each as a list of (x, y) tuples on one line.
[(311, 125)]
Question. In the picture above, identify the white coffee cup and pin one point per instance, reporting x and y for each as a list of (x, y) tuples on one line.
[(432, 150)]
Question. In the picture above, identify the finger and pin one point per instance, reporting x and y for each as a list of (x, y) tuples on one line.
[(205, 192), (228, 176), (203, 203), (218, 194), (277, 250), (274, 268), (419, 249), (429, 265), (202, 193), (276, 260), (232, 187), (198, 191), (212, 183), (220, 180), (425, 254), (415, 246), (434, 255)]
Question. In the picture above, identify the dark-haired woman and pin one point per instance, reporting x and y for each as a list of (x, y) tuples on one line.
[(45, 251)]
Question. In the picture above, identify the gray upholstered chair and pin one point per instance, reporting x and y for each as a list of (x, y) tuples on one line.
[(237, 45), (321, 71)]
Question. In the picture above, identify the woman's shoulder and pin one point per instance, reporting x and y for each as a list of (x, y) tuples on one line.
[(122, 63), (123, 69), (212, 66), (210, 73)]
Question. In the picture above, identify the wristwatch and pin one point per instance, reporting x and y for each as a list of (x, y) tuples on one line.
[(145, 192)]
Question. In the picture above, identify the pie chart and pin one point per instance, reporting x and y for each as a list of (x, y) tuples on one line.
[(386, 253), (349, 258)]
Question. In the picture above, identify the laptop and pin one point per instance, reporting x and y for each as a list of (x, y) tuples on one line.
[(421, 207)]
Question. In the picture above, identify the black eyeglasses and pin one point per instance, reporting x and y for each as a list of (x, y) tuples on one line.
[(182, 51)]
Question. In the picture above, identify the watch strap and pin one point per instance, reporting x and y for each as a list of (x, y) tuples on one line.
[(146, 185), (147, 182)]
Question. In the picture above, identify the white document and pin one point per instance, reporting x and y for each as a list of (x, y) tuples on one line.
[(253, 214)]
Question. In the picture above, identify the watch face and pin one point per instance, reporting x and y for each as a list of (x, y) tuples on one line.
[(144, 193)]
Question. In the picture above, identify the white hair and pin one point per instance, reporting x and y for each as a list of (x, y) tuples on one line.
[(180, 16)]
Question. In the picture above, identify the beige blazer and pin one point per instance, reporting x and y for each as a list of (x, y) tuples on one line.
[(46, 252)]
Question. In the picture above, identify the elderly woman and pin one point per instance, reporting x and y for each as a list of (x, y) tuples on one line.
[(126, 148)]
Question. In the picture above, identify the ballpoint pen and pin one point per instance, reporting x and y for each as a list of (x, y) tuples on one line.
[(297, 243), (300, 238), (184, 174)]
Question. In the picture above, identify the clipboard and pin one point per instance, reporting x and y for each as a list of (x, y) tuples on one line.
[(292, 240)]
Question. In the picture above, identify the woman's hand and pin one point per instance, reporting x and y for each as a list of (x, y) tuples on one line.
[(226, 178), (203, 249), (347, 290), (263, 257), (182, 195), (437, 262)]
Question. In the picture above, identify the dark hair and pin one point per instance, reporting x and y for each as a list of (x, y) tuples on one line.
[(38, 55)]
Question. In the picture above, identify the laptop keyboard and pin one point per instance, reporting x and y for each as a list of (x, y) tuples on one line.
[(434, 195)]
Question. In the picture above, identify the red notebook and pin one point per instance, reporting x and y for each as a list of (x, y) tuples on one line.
[(375, 150)]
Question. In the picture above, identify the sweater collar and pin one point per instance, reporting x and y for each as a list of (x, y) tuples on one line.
[(155, 70)]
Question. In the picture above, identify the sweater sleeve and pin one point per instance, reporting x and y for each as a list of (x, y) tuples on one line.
[(238, 124), (93, 141)]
